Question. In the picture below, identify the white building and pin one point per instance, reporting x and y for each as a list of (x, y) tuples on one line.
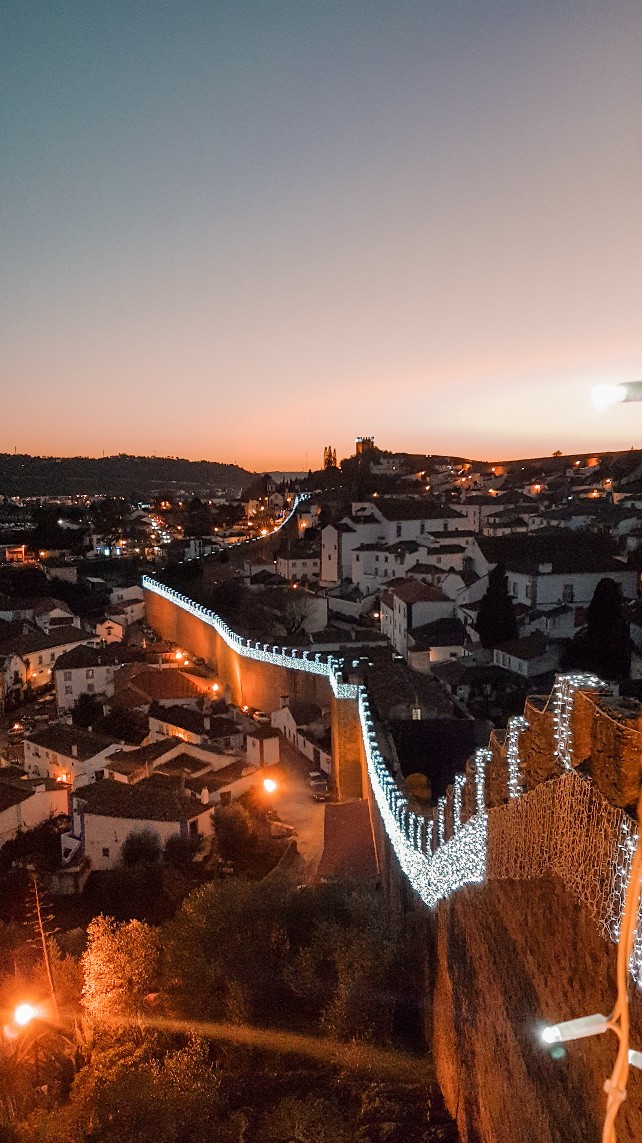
[(410, 604), (83, 670), (67, 754), (25, 804)]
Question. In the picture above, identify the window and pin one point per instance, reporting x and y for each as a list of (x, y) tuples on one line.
[(67, 676), (568, 593), (105, 851), (398, 529), (69, 690), (90, 688), (89, 674), (193, 828), (39, 660), (357, 557), (422, 528)]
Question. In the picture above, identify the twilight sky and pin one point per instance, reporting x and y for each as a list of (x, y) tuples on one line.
[(243, 230)]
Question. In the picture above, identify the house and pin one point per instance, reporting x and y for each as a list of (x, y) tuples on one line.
[(304, 726), (263, 746), (40, 651), (383, 522), (545, 569), (66, 753), (106, 813), (111, 629), (26, 803), (527, 656), (139, 688), (198, 727), (299, 562), (433, 642), (84, 671), (167, 787), (411, 603), (52, 613)]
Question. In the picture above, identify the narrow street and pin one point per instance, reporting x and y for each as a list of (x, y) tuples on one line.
[(295, 806)]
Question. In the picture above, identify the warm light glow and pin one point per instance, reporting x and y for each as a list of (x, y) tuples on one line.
[(215, 687), (24, 1013), (269, 785), (264, 531), (179, 654)]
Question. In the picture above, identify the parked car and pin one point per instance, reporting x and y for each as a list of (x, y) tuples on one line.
[(261, 717)]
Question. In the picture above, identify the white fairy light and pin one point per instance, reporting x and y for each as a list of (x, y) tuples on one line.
[(441, 821), (481, 758), (516, 725), (460, 782), (563, 695)]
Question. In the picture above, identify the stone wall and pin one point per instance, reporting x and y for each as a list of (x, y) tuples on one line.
[(262, 685), (503, 960)]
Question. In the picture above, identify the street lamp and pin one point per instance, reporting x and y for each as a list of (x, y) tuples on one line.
[(24, 1014)]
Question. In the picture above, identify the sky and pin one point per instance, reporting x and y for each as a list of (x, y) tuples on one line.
[(241, 231)]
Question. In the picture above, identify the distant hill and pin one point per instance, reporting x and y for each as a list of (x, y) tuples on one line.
[(22, 475)]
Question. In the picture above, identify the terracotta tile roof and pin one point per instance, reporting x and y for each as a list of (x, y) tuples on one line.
[(62, 738), (414, 591), (149, 800), (528, 647), (162, 684)]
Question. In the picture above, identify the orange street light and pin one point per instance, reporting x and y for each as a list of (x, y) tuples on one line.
[(24, 1014), (269, 785)]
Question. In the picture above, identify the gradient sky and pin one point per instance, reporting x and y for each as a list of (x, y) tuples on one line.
[(243, 230)]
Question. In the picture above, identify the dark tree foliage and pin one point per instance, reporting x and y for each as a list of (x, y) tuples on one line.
[(141, 847), (603, 647), (496, 622)]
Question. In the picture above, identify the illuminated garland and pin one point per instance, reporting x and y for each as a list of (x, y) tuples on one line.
[(460, 782), (457, 862), (291, 657), (563, 694), (516, 725)]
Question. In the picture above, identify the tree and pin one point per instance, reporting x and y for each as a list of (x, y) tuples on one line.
[(603, 647), (120, 968), (141, 847), (496, 622)]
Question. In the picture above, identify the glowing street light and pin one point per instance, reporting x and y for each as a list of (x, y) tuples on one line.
[(24, 1014), (270, 786)]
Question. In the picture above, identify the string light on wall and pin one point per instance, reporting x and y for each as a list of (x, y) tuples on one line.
[(481, 759), (516, 725), (563, 695), (441, 821), (460, 782), (259, 652), (433, 876)]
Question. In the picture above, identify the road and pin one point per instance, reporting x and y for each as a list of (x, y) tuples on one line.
[(295, 806)]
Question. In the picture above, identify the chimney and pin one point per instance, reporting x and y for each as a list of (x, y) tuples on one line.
[(207, 722), (285, 701), (74, 750), (205, 796)]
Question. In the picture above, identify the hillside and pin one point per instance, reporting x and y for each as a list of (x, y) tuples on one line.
[(22, 475)]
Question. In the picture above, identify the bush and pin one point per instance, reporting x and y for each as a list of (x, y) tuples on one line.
[(180, 850), (141, 847)]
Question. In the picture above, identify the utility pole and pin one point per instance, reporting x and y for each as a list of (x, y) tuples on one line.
[(43, 940)]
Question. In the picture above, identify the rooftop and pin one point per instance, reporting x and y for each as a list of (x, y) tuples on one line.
[(148, 800)]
